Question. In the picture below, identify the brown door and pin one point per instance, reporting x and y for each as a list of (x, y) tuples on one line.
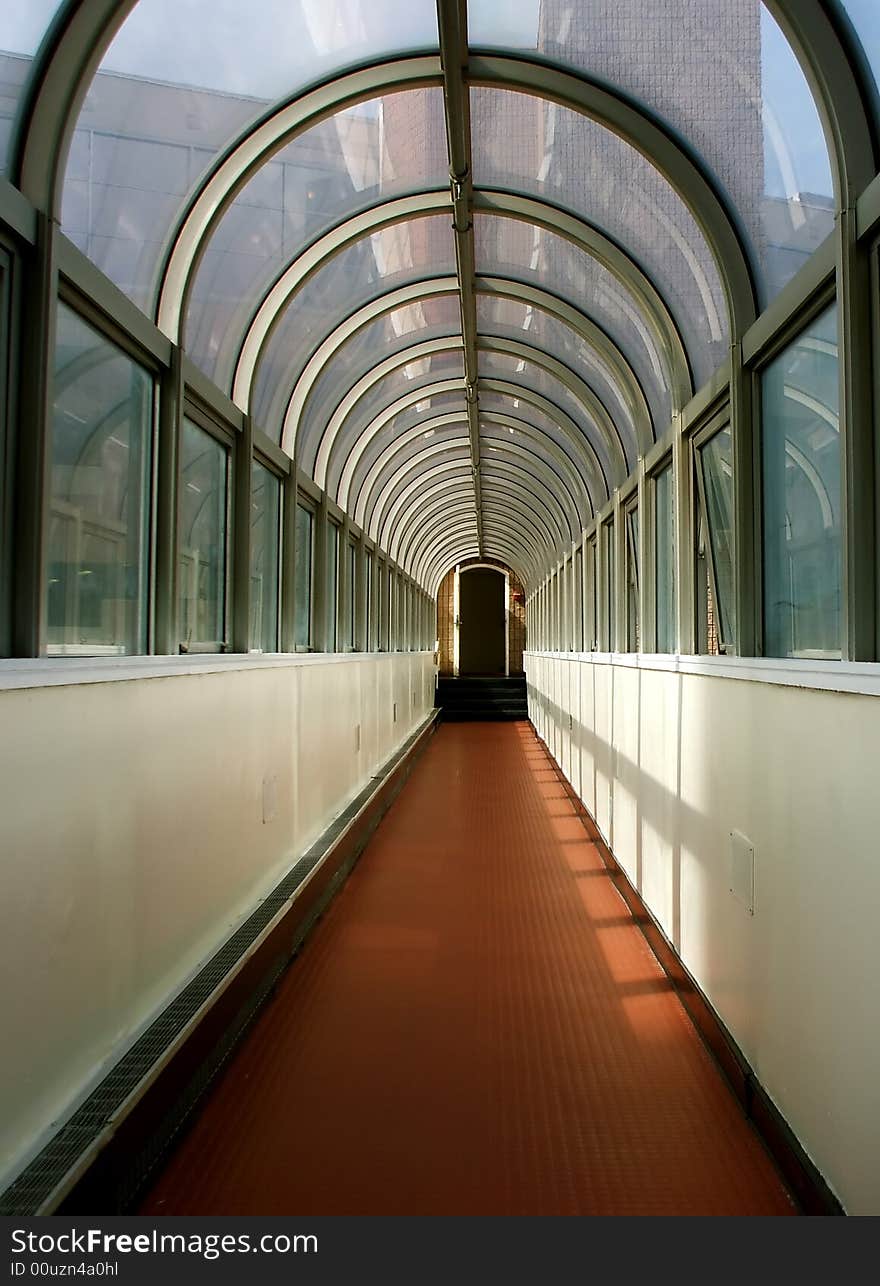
[(481, 622)]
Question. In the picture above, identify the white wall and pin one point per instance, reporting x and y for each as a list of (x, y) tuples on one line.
[(133, 838), (669, 763)]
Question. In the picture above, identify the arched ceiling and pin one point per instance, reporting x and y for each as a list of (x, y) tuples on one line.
[(464, 268)]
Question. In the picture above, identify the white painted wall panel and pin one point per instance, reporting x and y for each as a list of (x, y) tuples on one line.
[(794, 769), (133, 840)]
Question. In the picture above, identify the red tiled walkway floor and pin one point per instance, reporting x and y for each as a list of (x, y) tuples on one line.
[(475, 1027)]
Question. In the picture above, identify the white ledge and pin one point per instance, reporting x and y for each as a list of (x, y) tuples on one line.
[(859, 677), (63, 671)]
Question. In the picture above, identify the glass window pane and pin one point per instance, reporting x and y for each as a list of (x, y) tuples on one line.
[(375, 151), (100, 462), (265, 549), (23, 23), (439, 316), (664, 561), (509, 248), (865, 18), (801, 472), (719, 72), (368, 605), (352, 595), (608, 570), (332, 586), (716, 461), (555, 153), (204, 485), (579, 599), (302, 578), (410, 251), (184, 77)]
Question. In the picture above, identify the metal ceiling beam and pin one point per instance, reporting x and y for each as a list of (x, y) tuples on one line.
[(359, 498), (398, 489), (594, 408), (615, 364), (680, 166), (452, 25), (248, 342), (315, 256)]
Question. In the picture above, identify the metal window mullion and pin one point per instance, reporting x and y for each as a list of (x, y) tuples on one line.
[(33, 448), (167, 508), (747, 492), (242, 493), (859, 598)]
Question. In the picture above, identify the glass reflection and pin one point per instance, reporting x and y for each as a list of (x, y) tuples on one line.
[(204, 488), (302, 579), (265, 551), (664, 562), (100, 463), (801, 456)]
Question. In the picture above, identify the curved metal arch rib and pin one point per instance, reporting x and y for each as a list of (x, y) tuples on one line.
[(581, 447), (310, 260), (671, 155), (425, 429), (433, 501), (593, 406), (569, 479), (501, 287), (462, 469), (525, 478), (596, 243), (566, 425), (428, 526), (440, 552), (412, 353), (381, 214), (389, 501), (427, 554), (443, 499), (257, 144)]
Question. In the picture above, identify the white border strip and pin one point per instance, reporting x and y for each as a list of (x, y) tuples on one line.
[(53, 672), (859, 677)]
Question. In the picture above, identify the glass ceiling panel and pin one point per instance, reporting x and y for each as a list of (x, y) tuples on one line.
[(401, 383), (498, 366), (495, 437), (388, 390), (865, 18), (549, 151), (509, 248), (23, 23), (460, 454), (722, 74), (383, 261), (520, 410), (427, 409), (434, 318), (498, 477), (183, 78), (454, 436), (510, 319), (379, 150)]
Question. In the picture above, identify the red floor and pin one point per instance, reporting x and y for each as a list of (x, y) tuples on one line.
[(475, 1027)]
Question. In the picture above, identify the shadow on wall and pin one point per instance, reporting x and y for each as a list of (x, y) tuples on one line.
[(669, 764)]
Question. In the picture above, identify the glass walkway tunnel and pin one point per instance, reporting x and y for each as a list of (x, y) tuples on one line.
[(310, 312)]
